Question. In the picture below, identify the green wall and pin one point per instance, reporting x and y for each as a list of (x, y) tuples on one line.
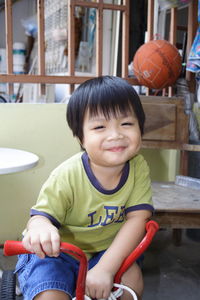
[(42, 129)]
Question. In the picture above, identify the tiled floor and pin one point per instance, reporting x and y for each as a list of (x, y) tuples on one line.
[(170, 272)]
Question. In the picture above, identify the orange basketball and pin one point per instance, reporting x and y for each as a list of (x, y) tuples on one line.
[(157, 64)]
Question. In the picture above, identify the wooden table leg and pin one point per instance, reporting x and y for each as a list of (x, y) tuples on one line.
[(177, 237)]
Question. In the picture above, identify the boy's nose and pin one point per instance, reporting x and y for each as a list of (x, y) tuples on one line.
[(115, 134)]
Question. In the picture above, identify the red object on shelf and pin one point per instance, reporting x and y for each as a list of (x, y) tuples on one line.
[(157, 64)]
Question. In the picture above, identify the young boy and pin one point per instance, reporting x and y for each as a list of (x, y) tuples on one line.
[(98, 200)]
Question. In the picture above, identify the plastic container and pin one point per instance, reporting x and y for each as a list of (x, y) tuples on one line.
[(19, 52), (190, 182), (18, 69)]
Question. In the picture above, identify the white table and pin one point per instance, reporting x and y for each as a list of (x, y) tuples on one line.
[(14, 160)]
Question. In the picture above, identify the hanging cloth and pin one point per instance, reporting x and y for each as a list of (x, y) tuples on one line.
[(193, 64), (166, 4)]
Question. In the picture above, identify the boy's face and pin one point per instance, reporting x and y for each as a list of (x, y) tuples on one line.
[(111, 142)]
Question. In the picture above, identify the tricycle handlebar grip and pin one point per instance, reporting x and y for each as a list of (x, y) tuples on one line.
[(14, 248), (152, 225)]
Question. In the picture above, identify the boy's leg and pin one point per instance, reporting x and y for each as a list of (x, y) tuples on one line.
[(54, 275), (133, 279), (52, 295)]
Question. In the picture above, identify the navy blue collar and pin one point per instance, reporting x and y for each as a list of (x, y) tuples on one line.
[(94, 181)]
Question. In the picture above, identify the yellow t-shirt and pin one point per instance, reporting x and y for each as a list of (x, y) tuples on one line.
[(86, 214)]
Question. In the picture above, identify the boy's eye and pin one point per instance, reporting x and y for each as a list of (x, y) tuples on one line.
[(99, 127), (127, 124)]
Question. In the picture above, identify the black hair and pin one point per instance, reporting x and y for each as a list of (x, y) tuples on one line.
[(107, 94)]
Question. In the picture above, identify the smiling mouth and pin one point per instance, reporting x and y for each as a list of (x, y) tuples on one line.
[(116, 149)]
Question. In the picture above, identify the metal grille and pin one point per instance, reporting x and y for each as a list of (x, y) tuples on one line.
[(44, 68)]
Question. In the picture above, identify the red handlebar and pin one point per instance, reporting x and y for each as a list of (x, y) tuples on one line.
[(151, 229), (15, 248)]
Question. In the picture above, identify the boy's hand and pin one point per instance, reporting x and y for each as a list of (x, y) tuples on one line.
[(42, 237), (99, 283)]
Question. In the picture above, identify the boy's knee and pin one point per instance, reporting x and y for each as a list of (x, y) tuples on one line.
[(52, 295), (133, 279)]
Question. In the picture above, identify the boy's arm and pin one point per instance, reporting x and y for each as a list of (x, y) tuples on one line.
[(42, 237), (127, 239)]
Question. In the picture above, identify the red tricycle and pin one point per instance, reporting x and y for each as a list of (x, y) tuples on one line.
[(16, 247)]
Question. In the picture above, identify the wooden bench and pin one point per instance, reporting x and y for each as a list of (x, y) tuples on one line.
[(166, 127)]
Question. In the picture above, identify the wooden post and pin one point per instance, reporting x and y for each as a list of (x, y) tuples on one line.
[(41, 43), (150, 24), (150, 20), (71, 42), (9, 41), (99, 39), (125, 39), (172, 37)]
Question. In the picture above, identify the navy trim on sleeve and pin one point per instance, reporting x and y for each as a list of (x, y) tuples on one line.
[(35, 212), (139, 207)]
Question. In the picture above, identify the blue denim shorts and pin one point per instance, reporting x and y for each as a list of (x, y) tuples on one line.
[(36, 275)]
